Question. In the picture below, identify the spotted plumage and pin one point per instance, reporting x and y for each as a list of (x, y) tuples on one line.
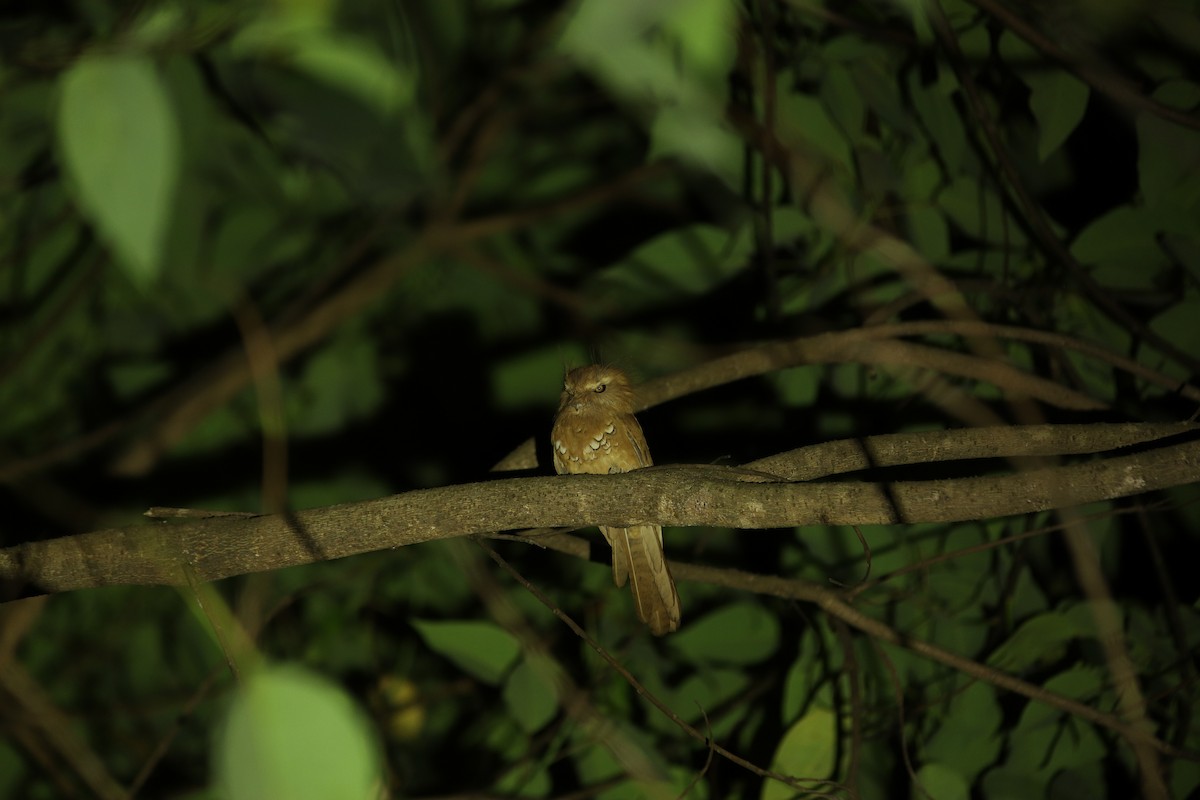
[(596, 432)]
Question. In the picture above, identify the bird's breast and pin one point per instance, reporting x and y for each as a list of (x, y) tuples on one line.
[(580, 440)]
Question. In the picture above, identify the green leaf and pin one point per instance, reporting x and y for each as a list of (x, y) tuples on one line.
[(797, 387), (708, 689), (942, 782), (120, 144), (291, 733), (533, 378), (803, 118), (692, 51), (696, 135), (1178, 325), (530, 693), (1039, 640), (482, 649), (978, 212), (1046, 740), (12, 769), (340, 384), (842, 98), (805, 674), (350, 64), (673, 56), (941, 119), (1168, 162), (677, 265), (742, 633), (1123, 248), (929, 232), (1058, 101), (356, 68), (968, 736), (807, 751)]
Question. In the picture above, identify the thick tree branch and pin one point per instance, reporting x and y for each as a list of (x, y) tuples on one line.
[(221, 547)]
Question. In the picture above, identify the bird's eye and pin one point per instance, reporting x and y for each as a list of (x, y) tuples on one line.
[(601, 388)]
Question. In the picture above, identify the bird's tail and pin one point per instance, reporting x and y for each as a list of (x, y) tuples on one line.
[(638, 554)]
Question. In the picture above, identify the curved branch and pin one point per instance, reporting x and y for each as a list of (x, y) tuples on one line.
[(850, 345), (220, 547)]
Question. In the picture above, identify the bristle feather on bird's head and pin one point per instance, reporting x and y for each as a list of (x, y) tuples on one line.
[(600, 386)]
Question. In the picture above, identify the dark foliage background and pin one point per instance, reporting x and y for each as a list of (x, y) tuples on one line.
[(268, 256)]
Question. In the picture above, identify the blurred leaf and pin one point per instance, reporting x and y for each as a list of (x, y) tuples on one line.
[(354, 66), (1058, 101), (1178, 325), (709, 689), (1168, 165), (740, 633), (686, 61), (535, 782), (943, 122), (1123, 247), (684, 262), (803, 119), (120, 144), (480, 648), (534, 378), (1046, 740), (808, 750), (1039, 641), (969, 735), (340, 384), (12, 769), (929, 233), (845, 104), (697, 137), (674, 57), (496, 308), (979, 212), (530, 693), (349, 63), (797, 387), (291, 733), (941, 781)]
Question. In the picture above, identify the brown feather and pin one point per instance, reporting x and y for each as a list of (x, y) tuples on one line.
[(596, 432)]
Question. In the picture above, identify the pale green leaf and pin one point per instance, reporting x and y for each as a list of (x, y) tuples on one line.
[(120, 144), (807, 751), (291, 733), (480, 648), (695, 135), (355, 67)]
